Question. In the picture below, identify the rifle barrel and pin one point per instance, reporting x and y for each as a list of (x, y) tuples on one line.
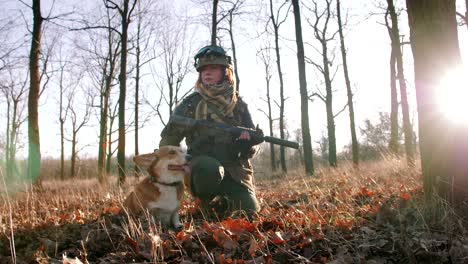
[(283, 142)]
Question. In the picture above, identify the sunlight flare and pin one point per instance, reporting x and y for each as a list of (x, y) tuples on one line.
[(452, 94)]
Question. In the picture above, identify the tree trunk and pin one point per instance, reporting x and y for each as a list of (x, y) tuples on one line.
[(394, 127), (103, 135), (270, 126), (331, 128), (109, 150), (73, 155), (396, 46), (103, 128), (214, 22), (123, 91), (34, 156), (466, 13), (329, 107), (354, 141), (12, 169), (62, 128), (307, 145), (110, 153), (7, 147), (280, 76), (434, 42), (234, 54), (137, 91)]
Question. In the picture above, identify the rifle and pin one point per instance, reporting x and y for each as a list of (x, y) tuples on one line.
[(256, 135)]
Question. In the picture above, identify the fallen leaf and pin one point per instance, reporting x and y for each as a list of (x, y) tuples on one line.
[(277, 238), (224, 240), (405, 196)]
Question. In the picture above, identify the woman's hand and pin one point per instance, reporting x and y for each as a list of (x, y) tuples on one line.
[(244, 136)]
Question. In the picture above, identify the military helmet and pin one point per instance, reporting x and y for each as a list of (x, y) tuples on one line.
[(211, 54)]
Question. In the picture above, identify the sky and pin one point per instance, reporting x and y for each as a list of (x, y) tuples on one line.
[(368, 48)]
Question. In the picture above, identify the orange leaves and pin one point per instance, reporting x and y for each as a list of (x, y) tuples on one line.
[(364, 192), (77, 216), (301, 220), (239, 225), (181, 236), (223, 260), (344, 224), (277, 238), (405, 196), (113, 209), (224, 240)]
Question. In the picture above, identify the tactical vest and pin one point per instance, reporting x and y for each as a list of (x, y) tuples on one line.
[(212, 142)]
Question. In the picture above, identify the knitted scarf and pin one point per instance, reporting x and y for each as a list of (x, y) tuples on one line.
[(222, 96)]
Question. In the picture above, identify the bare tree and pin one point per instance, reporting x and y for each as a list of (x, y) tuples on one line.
[(63, 112), (321, 34), (352, 123), (394, 131), (101, 60), (14, 92), (265, 57), (396, 50), (79, 119), (276, 22), (142, 41), (232, 12), (34, 157), (108, 68), (307, 144), (125, 11), (433, 27), (173, 65)]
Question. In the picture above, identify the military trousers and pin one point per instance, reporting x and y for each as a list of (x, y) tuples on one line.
[(217, 189)]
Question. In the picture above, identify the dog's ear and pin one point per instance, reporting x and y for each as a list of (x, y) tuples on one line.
[(144, 161)]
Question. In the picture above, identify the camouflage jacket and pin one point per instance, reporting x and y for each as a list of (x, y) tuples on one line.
[(235, 160)]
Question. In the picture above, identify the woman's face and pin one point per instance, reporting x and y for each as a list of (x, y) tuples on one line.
[(212, 74)]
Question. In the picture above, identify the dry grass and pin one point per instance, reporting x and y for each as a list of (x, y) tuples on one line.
[(345, 215)]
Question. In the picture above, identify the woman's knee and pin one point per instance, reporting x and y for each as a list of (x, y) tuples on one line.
[(207, 174)]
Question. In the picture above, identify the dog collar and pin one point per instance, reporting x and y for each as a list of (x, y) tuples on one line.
[(173, 184)]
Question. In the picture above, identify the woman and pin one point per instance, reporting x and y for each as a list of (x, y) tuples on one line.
[(222, 175)]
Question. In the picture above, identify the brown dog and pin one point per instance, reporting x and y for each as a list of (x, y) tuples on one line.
[(162, 191)]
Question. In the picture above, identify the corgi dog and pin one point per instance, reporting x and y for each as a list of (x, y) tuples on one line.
[(161, 192)]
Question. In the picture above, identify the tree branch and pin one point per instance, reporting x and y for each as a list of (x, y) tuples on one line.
[(339, 112), (317, 95), (97, 27)]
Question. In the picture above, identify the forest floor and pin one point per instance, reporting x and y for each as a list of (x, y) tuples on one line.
[(373, 214)]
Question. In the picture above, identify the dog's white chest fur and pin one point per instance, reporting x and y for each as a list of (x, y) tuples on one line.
[(167, 200)]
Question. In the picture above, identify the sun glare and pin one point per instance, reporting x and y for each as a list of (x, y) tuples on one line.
[(452, 97)]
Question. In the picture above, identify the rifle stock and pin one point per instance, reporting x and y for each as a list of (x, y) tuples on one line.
[(256, 135)]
